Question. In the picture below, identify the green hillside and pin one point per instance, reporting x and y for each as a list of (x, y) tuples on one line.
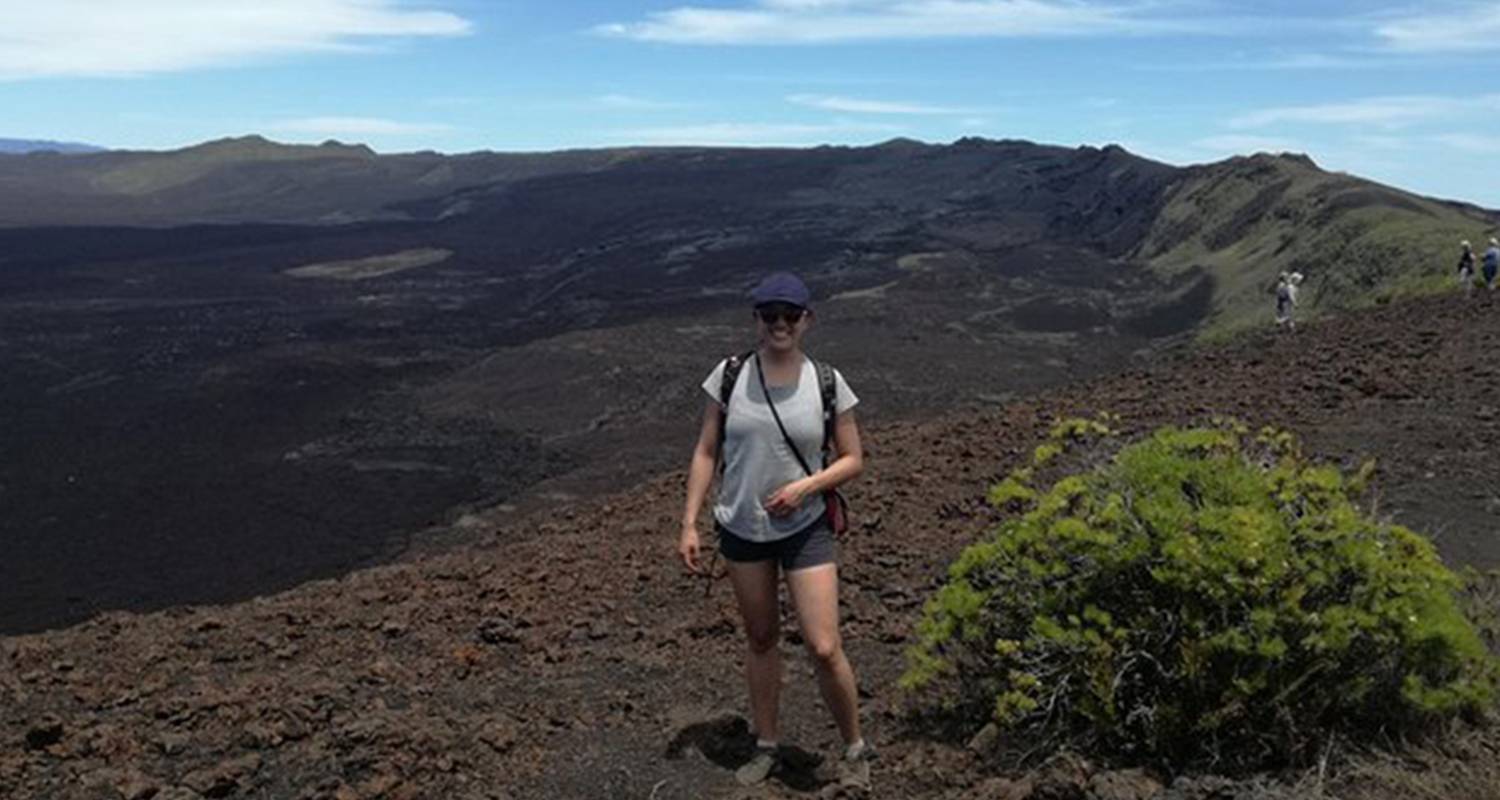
[(1245, 220), (153, 172)]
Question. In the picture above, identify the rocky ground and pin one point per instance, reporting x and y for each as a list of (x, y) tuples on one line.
[(568, 656)]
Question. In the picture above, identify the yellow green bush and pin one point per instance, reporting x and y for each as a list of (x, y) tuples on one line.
[(1200, 595)]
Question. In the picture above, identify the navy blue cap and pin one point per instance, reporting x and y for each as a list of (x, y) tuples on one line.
[(781, 287)]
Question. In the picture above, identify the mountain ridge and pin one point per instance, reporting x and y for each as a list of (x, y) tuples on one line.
[(22, 146), (1236, 223), (1247, 219)]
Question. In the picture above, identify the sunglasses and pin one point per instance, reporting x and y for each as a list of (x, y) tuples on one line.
[(791, 315)]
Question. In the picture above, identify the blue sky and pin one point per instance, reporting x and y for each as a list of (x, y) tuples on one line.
[(1407, 93)]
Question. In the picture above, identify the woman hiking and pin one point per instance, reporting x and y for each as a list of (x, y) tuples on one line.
[(771, 516), (1286, 299), (1466, 267)]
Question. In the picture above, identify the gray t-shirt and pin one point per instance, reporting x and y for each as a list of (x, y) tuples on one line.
[(757, 460)]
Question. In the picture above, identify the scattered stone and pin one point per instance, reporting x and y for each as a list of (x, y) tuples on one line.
[(1205, 787), (135, 785), (1003, 789), (386, 780), (986, 739), (498, 630), (223, 779), (172, 744), (46, 732), (1065, 776), (499, 735), (1129, 784)]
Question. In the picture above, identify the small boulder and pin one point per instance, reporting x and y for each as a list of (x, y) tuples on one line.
[(134, 785), (224, 779), (45, 732), (986, 739), (498, 630), (1004, 789), (1128, 784)]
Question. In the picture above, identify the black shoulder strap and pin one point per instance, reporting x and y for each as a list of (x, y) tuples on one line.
[(732, 367), (828, 391), (776, 415)]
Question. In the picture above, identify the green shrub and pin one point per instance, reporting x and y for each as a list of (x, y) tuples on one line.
[(1200, 595)]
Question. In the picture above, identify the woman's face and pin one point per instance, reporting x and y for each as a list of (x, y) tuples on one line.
[(781, 325)]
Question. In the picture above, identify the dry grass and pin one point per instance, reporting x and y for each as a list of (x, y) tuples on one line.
[(1465, 763), (373, 267), (1461, 762)]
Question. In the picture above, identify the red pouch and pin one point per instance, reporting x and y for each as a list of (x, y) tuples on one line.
[(837, 513)]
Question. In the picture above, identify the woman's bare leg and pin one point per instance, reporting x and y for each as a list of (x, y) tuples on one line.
[(815, 592), (755, 590)]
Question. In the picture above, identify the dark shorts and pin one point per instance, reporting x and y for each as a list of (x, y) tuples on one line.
[(810, 547)]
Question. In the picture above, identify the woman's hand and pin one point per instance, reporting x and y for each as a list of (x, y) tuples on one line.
[(787, 499), (688, 547)]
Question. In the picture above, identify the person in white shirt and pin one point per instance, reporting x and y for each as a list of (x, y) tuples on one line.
[(771, 515)]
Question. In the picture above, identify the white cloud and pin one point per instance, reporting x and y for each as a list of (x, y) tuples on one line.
[(818, 21), (1371, 141), (1278, 63), (754, 133), (90, 38), (1234, 144), (1173, 153), (633, 103), (454, 101), (1474, 27), (357, 126), (808, 5), (1470, 143), (1385, 112), (1315, 61), (861, 106)]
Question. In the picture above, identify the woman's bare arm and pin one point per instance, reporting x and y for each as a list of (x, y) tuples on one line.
[(700, 477)]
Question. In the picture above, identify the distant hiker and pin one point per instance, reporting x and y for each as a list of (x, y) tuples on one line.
[(1286, 299), (766, 411), (1466, 267), (1491, 263)]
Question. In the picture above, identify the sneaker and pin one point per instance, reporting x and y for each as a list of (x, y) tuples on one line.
[(854, 769), (758, 768)]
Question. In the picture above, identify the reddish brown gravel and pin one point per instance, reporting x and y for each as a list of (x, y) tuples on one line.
[(570, 657)]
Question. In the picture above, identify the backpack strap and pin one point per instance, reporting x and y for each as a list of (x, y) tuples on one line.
[(828, 391), (732, 367)]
